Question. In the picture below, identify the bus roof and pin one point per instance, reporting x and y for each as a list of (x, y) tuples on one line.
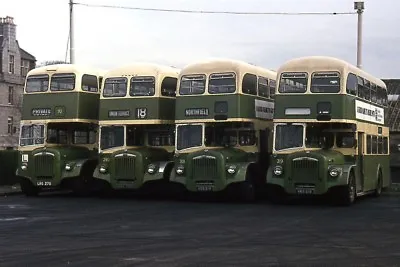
[(326, 63), (143, 69), (213, 65), (66, 68)]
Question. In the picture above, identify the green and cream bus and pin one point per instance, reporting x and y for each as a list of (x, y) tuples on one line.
[(58, 140), (137, 111), (330, 134), (224, 112)]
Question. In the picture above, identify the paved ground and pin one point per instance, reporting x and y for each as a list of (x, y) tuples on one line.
[(61, 230)]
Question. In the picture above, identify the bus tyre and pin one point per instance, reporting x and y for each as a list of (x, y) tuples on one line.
[(347, 194), (277, 195), (378, 189), (81, 186), (29, 189), (247, 191)]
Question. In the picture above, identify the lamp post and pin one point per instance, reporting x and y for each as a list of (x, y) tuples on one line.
[(71, 33), (359, 7)]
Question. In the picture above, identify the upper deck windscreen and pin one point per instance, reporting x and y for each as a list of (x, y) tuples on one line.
[(142, 86), (295, 82), (192, 84), (62, 82), (115, 87), (37, 83), (222, 83), (325, 82)]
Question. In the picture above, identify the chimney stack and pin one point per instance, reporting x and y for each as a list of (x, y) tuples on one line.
[(8, 30)]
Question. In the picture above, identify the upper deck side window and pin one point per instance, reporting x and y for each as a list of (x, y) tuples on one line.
[(142, 86), (325, 82), (249, 84), (115, 87), (263, 89), (272, 88), (293, 82), (192, 84), (37, 83), (89, 83), (351, 84), (222, 83), (62, 82), (168, 86)]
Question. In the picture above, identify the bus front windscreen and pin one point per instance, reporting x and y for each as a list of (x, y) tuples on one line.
[(111, 136), (32, 135), (289, 136), (189, 136)]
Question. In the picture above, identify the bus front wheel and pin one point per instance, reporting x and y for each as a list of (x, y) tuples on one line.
[(347, 194), (29, 189)]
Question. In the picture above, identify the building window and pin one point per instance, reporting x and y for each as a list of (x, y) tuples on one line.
[(24, 67), (10, 95), (11, 64), (10, 125)]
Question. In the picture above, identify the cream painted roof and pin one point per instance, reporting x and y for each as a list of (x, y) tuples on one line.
[(66, 68), (142, 69), (325, 63), (215, 65)]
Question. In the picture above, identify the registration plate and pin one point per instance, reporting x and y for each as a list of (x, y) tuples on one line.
[(204, 187), (305, 191), (43, 183)]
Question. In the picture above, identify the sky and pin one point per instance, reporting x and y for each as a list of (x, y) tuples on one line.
[(109, 38)]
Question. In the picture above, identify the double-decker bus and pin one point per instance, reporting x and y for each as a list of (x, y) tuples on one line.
[(58, 141), (330, 134), (224, 112), (137, 109)]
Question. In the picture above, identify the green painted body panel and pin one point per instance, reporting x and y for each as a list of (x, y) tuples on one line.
[(239, 106), (342, 106), (156, 108), (66, 105), (127, 169), (315, 173), (47, 165), (209, 168)]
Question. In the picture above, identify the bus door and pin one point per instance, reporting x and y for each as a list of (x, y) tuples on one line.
[(360, 162)]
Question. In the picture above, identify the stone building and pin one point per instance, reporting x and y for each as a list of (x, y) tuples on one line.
[(14, 65)]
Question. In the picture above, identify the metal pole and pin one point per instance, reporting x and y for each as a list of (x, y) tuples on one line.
[(359, 6), (71, 34)]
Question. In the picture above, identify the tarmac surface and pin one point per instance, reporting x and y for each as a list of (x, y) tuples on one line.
[(63, 230)]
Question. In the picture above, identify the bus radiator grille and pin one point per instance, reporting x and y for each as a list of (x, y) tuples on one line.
[(204, 167), (124, 168), (44, 166), (305, 169)]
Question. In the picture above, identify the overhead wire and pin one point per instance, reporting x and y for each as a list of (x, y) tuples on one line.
[(215, 12)]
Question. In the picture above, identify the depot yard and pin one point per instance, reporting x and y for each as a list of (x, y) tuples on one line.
[(61, 229)]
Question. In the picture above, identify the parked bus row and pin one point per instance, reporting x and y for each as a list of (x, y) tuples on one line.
[(316, 126)]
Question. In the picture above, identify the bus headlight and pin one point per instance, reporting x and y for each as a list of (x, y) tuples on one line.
[(151, 168), (68, 167), (180, 170), (334, 172), (103, 169), (24, 167), (231, 169), (278, 170)]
